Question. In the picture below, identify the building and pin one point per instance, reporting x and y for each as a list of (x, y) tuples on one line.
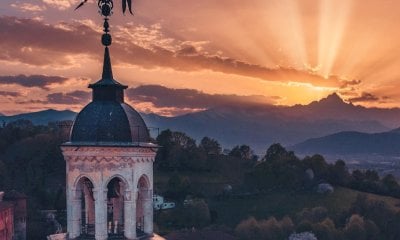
[(160, 204), (13, 214), (6, 219), (18, 201), (109, 162)]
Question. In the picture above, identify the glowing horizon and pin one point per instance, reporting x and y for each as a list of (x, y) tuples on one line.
[(287, 51)]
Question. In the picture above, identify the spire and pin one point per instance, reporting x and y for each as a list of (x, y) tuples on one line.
[(107, 88), (107, 69)]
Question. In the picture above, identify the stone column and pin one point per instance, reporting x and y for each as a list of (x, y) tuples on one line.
[(74, 208), (89, 204), (129, 215), (100, 208), (148, 212)]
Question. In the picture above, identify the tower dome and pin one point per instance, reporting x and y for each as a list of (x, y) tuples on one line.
[(109, 180), (108, 120)]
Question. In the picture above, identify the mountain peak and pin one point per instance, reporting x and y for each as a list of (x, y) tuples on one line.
[(332, 100)]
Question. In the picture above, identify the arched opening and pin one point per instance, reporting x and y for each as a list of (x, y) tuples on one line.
[(144, 200), (87, 213), (115, 207)]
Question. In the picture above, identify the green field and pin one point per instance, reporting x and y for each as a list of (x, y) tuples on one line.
[(231, 211), (279, 204)]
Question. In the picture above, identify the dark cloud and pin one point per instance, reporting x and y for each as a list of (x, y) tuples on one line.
[(37, 43), (365, 97), (187, 50), (349, 83), (9, 94), (32, 101), (40, 81), (75, 97), (163, 97)]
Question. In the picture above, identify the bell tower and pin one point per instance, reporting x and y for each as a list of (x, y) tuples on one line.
[(109, 162)]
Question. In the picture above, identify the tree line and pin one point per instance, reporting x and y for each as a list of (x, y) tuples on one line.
[(366, 219), (31, 162)]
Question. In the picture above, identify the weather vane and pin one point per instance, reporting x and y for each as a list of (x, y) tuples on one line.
[(105, 9)]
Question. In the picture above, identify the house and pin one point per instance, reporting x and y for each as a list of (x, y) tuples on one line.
[(18, 200), (6, 219), (159, 204)]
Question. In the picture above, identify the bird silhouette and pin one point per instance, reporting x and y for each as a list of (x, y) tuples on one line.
[(101, 3)]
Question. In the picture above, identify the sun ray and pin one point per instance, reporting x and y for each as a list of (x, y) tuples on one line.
[(333, 21)]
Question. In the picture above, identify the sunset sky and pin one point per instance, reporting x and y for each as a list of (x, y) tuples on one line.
[(180, 56)]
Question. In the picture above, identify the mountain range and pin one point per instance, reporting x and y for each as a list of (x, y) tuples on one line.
[(41, 117), (352, 144), (261, 125)]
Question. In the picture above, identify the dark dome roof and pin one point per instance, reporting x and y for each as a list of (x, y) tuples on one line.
[(107, 119)]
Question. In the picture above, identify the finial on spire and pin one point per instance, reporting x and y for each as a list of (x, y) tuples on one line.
[(107, 88), (106, 38)]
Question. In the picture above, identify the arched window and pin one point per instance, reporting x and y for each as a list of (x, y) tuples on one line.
[(85, 195), (143, 198), (115, 206)]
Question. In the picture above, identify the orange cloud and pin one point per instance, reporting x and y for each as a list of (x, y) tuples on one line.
[(28, 7), (163, 97), (54, 43)]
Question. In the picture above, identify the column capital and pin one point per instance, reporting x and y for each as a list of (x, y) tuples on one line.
[(127, 195), (100, 194)]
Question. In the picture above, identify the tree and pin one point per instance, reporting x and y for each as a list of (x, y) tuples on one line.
[(355, 228), (339, 174), (197, 214), (210, 146), (178, 187), (3, 175), (371, 175), (313, 215), (248, 229), (178, 152), (279, 169), (326, 230), (243, 152), (390, 183), (319, 166), (270, 229), (277, 152)]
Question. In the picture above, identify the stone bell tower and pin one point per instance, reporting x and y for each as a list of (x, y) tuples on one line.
[(109, 165)]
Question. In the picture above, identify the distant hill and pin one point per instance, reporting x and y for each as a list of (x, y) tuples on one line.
[(41, 117), (333, 107), (353, 143), (257, 128), (261, 125)]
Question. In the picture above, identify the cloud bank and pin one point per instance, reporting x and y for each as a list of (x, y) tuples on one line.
[(40, 81), (57, 43)]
